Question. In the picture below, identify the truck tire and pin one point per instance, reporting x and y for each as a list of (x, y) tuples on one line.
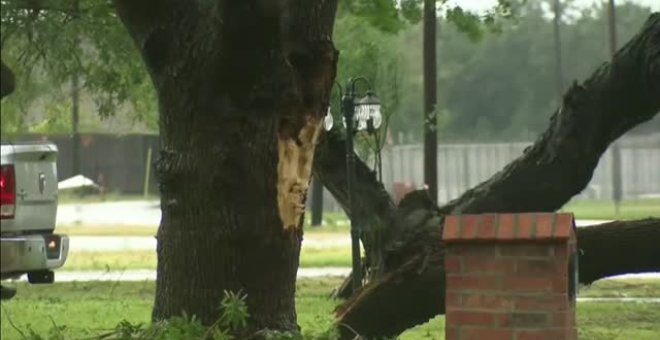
[(7, 293), (42, 276)]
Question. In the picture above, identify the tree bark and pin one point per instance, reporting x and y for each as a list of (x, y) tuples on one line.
[(618, 96), (241, 100), (621, 247)]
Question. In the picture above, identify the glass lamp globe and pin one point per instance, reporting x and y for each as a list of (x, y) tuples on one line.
[(376, 116), (368, 108), (328, 120)]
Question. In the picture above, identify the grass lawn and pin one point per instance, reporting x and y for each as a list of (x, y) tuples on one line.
[(146, 259), (90, 308), (605, 210)]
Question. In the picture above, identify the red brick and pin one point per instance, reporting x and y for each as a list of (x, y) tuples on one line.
[(479, 264), (486, 334), (523, 320), (469, 227), (505, 229), (472, 282), (527, 250), (541, 302), (526, 227), (541, 334), (469, 318), (452, 263), (544, 225), (560, 284), (561, 252), (526, 284), (487, 301), (467, 249), (562, 319), (541, 267), (487, 226), (563, 225), (453, 299), (451, 228), (451, 333)]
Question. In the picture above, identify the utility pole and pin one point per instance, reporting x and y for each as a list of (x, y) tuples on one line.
[(75, 102), (317, 202), (558, 56), (617, 192), (430, 100), (75, 119)]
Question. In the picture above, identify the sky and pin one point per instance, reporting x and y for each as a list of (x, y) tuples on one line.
[(480, 5)]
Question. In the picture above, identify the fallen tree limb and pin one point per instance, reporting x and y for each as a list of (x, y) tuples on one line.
[(618, 96), (374, 214), (330, 169), (413, 292), (621, 247)]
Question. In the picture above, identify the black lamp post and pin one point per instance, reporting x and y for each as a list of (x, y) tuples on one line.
[(358, 115)]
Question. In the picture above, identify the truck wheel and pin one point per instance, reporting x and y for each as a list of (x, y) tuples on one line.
[(42, 276), (7, 293)]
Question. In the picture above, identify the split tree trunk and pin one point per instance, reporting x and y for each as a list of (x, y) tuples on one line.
[(618, 96), (242, 90)]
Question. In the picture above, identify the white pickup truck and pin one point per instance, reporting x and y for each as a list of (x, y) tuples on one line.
[(28, 208)]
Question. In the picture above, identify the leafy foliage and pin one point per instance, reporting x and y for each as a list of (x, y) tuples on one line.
[(234, 311), (503, 87), (47, 44), (498, 88)]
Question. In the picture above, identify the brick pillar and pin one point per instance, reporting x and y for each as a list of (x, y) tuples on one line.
[(510, 277)]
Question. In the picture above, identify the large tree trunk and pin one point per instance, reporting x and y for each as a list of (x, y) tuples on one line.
[(242, 89), (618, 96)]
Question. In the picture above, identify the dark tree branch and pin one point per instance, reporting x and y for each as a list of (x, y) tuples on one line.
[(375, 208), (330, 168), (618, 96), (620, 247)]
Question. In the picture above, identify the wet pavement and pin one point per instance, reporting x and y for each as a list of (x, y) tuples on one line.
[(150, 275), (137, 213)]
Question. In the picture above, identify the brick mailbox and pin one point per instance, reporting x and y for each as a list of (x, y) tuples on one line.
[(510, 276)]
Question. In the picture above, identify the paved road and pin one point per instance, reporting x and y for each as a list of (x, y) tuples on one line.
[(145, 213), (620, 299), (150, 275), (136, 213), (128, 243)]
